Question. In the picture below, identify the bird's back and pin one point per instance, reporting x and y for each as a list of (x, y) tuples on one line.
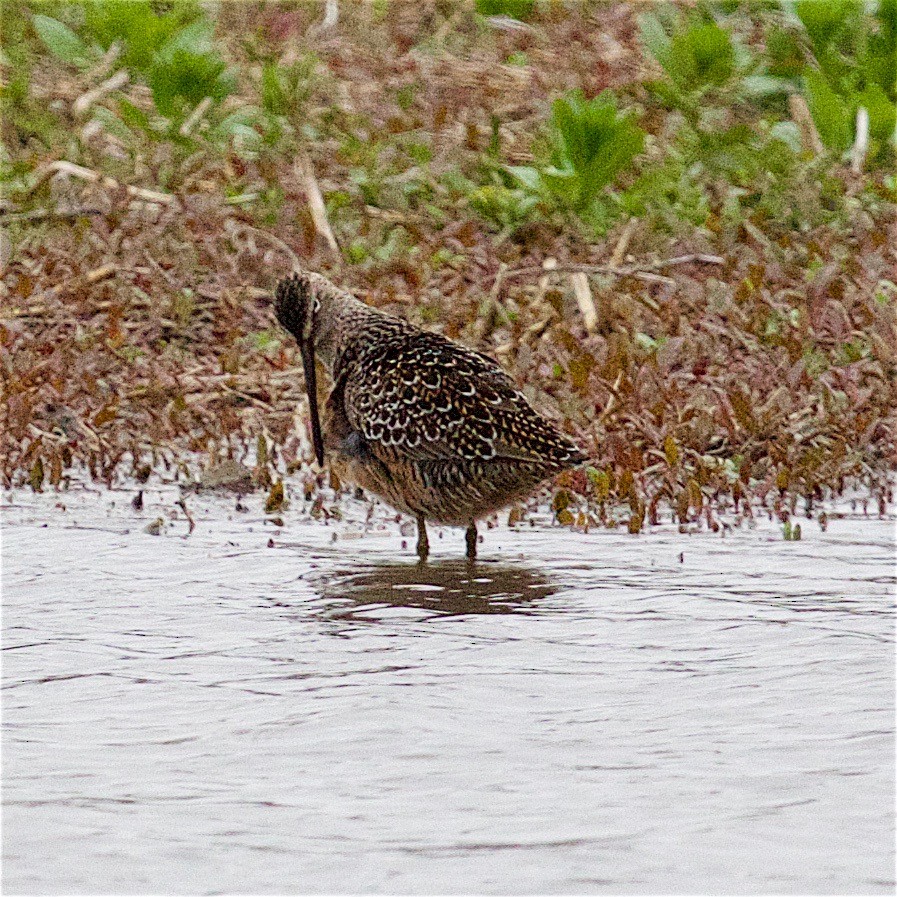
[(425, 397), (449, 435)]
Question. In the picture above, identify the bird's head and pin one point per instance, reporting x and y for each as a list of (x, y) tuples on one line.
[(296, 304)]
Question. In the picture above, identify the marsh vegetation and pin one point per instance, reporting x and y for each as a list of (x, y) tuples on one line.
[(673, 226)]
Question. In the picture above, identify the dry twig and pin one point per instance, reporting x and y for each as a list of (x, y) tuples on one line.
[(623, 243), (82, 105), (195, 116), (50, 214), (861, 144), (614, 401), (585, 300), (274, 241), (316, 202), (86, 174), (800, 113), (104, 272), (642, 272), (331, 17), (550, 264)]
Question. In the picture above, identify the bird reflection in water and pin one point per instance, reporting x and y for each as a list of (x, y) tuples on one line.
[(450, 588)]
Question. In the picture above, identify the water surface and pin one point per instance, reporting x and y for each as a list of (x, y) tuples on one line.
[(575, 714)]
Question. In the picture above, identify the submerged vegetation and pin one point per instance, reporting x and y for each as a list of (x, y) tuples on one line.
[(673, 225)]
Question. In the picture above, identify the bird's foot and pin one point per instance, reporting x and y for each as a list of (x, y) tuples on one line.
[(470, 537), (423, 543)]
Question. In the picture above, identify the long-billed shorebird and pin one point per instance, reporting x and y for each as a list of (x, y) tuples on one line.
[(435, 429)]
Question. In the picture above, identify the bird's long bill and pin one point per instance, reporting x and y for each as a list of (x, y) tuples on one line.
[(311, 386)]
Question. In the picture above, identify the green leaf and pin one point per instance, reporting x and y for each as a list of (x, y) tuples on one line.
[(646, 344), (187, 70), (887, 16), (786, 57), (61, 41), (196, 38), (763, 86), (240, 128), (133, 115), (655, 39), (701, 56), (831, 115), (114, 125), (137, 27), (593, 143), (505, 207), (825, 20), (628, 142), (788, 133), (274, 99), (882, 112), (527, 175), (521, 10)]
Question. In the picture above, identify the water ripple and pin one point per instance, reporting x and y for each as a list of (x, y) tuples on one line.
[(573, 714)]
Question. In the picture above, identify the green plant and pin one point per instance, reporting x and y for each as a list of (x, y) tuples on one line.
[(187, 69), (285, 91), (700, 61), (705, 65), (506, 207), (138, 27), (732, 153), (25, 116), (698, 55), (173, 52), (590, 143), (62, 42), (853, 65), (668, 195), (522, 10)]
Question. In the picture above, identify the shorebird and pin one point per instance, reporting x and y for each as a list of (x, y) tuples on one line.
[(435, 429)]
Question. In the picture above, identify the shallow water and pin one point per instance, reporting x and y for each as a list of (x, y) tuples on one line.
[(577, 713)]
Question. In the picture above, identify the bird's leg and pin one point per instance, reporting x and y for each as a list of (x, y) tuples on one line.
[(423, 543), (470, 537)]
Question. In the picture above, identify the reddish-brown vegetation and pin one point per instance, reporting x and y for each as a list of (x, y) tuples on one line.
[(144, 332)]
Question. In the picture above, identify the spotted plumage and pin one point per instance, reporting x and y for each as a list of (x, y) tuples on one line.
[(437, 430)]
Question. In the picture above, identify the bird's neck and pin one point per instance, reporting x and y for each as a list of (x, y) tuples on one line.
[(341, 318)]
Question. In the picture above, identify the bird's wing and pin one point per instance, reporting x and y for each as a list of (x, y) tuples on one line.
[(424, 397)]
